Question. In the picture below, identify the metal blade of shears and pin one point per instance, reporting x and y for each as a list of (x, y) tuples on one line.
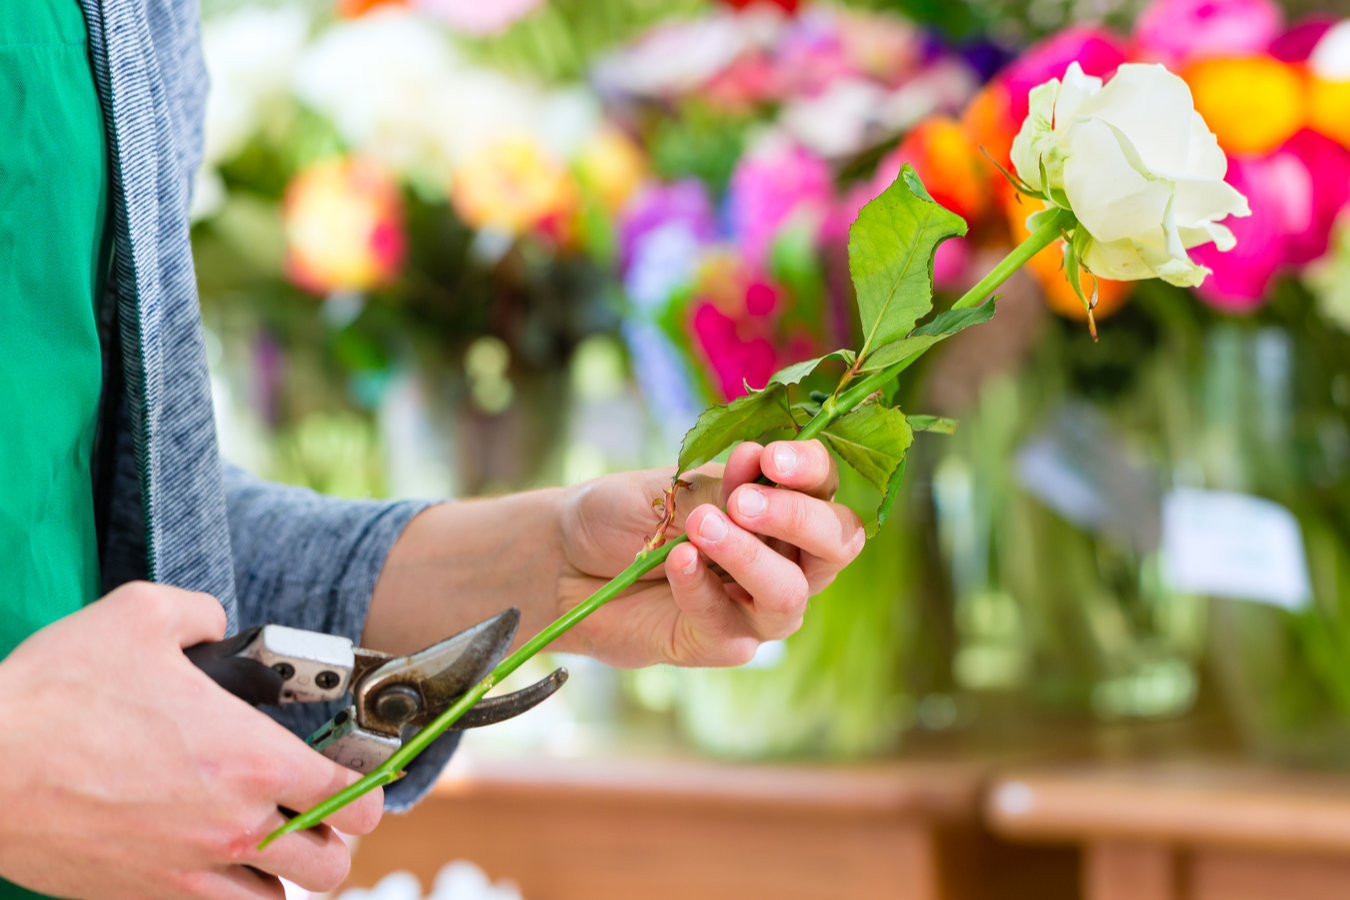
[(413, 689)]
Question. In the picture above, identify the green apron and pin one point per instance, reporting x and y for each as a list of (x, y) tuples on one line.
[(54, 248)]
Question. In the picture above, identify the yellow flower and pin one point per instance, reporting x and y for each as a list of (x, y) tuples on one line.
[(1252, 104), (612, 166), (512, 185), (1329, 108), (343, 223)]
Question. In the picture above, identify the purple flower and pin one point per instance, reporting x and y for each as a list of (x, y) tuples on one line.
[(659, 206), (771, 187)]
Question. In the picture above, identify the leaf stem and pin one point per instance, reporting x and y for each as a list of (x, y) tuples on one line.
[(648, 559), (1037, 241)]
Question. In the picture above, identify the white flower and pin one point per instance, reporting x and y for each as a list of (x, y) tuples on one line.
[(1136, 165), (397, 89), (1330, 59), (382, 80), (249, 55)]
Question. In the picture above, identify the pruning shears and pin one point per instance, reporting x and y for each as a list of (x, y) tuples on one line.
[(393, 697)]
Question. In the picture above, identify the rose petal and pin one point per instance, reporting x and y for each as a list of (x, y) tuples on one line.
[(1076, 88), (1200, 200), (1108, 196), (1204, 157), (1116, 260), (1153, 107)]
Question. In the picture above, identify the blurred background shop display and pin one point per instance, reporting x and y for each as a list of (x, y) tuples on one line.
[(455, 248)]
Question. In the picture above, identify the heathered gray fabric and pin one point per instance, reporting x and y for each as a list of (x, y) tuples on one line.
[(173, 514)]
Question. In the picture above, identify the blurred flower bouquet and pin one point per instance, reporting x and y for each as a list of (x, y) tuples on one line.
[(447, 230), (1052, 540)]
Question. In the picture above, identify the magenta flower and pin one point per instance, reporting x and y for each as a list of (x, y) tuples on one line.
[(1169, 31), (769, 189), (1296, 44), (1295, 194), (811, 55), (736, 360), (1098, 51)]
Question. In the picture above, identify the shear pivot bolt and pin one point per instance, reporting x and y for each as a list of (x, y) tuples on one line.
[(398, 703)]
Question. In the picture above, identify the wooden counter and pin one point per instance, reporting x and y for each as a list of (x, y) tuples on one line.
[(685, 829), (1186, 831)]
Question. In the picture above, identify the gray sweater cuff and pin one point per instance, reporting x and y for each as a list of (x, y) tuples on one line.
[(309, 561)]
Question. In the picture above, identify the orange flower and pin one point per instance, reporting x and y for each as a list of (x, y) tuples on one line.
[(989, 126), (351, 9), (952, 168), (343, 221), (1252, 104)]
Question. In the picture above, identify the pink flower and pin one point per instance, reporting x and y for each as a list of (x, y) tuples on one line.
[(771, 188), (1295, 194), (475, 17), (811, 55), (1098, 50), (735, 360), (1170, 31), (1296, 44)]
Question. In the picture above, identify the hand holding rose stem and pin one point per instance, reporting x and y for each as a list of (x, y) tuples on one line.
[(836, 406), (1130, 177)]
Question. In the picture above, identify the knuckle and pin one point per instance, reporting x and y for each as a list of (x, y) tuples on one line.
[(191, 883), (745, 551), (796, 513), (792, 599), (264, 778)]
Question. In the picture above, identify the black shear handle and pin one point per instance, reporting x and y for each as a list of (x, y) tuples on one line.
[(246, 678)]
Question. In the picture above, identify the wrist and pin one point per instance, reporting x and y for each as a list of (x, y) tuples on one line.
[(459, 563)]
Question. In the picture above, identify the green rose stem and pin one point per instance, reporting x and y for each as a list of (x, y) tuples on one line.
[(391, 770)]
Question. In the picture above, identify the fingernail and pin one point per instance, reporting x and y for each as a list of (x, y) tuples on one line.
[(714, 528), (692, 565), (751, 502), (784, 458)]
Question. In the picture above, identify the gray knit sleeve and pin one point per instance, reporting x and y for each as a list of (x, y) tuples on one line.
[(309, 561)]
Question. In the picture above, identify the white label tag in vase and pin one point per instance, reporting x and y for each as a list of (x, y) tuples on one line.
[(1235, 546)]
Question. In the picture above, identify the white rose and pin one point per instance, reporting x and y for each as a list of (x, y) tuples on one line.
[(1136, 165)]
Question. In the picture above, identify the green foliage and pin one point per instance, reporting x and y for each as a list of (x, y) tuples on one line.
[(890, 256), (943, 326), (933, 424), (873, 439), (743, 419), (794, 373), (701, 142)]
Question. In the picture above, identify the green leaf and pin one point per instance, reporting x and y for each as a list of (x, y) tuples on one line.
[(873, 440), (743, 419), (888, 500), (794, 373), (932, 424), (943, 326), (890, 256)]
